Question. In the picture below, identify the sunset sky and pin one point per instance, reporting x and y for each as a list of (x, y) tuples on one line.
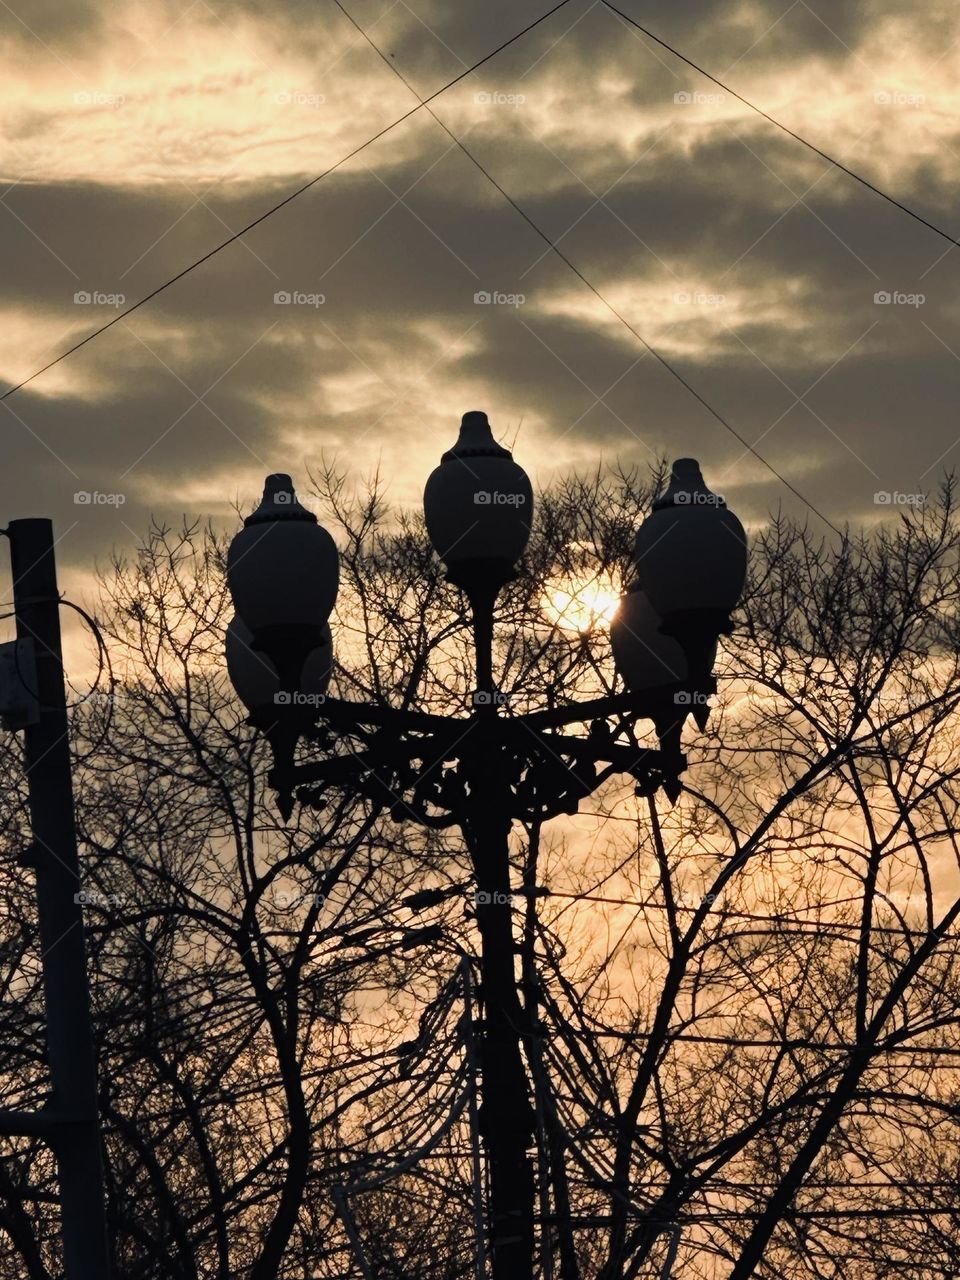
[(137, 136)]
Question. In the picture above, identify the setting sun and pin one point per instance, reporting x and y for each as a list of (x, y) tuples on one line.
[(581, 606)]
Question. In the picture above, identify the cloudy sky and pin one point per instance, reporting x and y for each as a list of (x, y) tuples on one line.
[(137, 136)]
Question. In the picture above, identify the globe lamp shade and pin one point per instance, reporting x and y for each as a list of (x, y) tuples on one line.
[(257, 681), (644, 657), (691, 562), (650, 662), (283, 569), (478, 505)]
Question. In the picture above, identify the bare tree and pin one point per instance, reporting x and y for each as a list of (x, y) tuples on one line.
[(753, 1038), (741, 1009)]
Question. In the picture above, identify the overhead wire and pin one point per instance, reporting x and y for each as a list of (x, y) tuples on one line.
[(231, 239), (424, 103), (792, 133), (555, 248)]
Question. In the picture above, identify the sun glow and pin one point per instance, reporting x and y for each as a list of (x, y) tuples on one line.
[(581, 606)]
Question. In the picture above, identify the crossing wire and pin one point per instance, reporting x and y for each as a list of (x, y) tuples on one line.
[(791, 133), (424, 103), (122, 315), (552, 245)]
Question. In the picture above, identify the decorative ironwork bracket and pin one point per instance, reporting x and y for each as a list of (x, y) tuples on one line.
[(418, 765)]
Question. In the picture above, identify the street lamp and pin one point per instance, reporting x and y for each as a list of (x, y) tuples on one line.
[(283, 571), (478, 506), (483, 771)]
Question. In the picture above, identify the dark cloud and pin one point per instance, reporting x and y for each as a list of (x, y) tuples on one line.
[(763, 303), (56, 26)]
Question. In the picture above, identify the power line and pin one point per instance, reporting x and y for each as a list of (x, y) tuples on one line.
[(749, 1187), (427, 899), (782, 1044), (774, 918), (122, 315), (551, 244), (733, 1215), (824, 155)]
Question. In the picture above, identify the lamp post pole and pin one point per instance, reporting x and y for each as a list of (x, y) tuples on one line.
[(70, 1122), (507, 1119)]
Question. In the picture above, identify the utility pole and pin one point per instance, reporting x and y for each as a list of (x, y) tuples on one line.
[(70, 1122)]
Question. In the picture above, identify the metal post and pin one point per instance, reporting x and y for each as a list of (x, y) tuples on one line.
[(70, 1046), (506, 1116), (476, 1167)]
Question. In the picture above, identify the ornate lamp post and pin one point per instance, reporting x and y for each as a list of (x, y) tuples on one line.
[(483, 771)]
